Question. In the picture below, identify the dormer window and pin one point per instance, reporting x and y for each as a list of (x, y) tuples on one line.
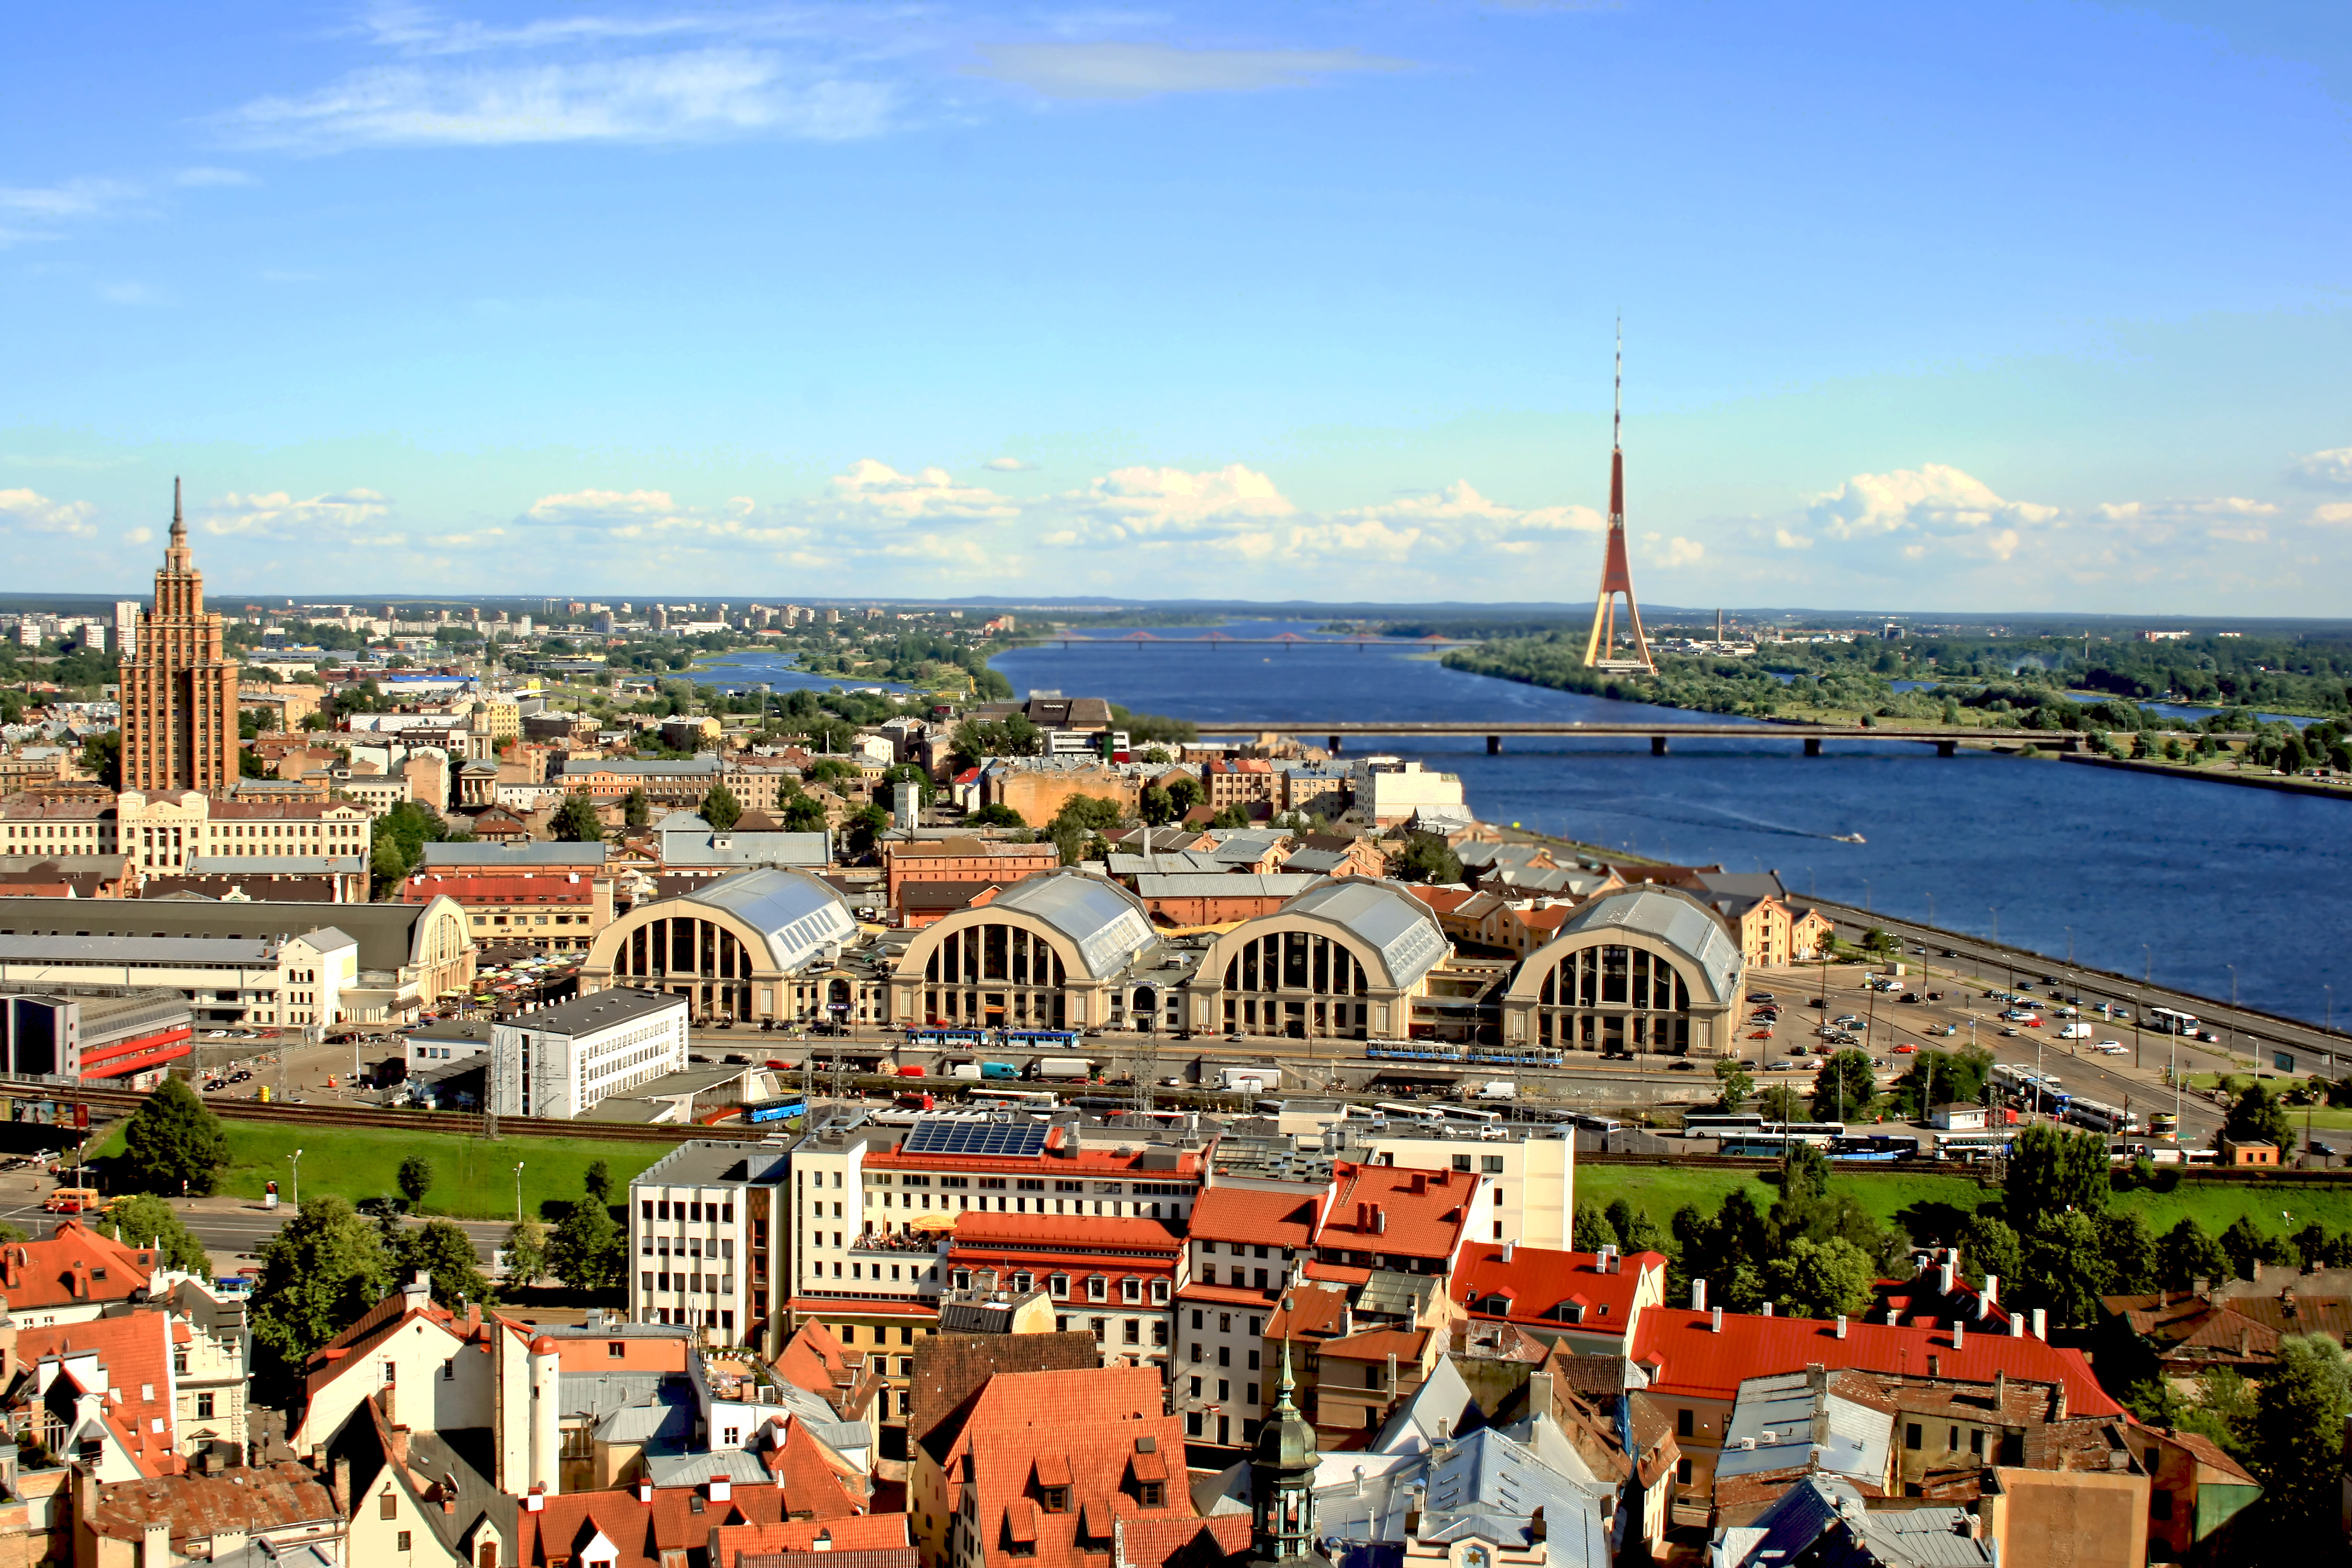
[(1058, 1499)]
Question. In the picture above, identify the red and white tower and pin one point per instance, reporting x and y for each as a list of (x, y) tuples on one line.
[(1616, 571)]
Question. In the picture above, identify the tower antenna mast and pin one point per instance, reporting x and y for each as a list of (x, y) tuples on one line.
[(1616, 571)]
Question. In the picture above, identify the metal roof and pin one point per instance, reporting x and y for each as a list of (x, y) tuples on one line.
[(1224, 884), (534, 853), (386, 933), (277, 864), (1776, 1416), (1674, 919), (598, 1010), (1382, 914), (1106, 921), (801, 916), (145, 951)]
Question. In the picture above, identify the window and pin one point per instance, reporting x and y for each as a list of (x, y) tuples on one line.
[(1196, 1354), (1911, 1435), (615, 1350), (388, 1506), (1152, 1494), (1493, 1167), (1682, 1472), (1196, 1317), (204, 1407), (1225, 1391), (1953, 1446), (403, 1538), (449, 1370), (1196, 1388), (1224, 1356), (1685, 1423), (1371, 1377), (1058, 1499)]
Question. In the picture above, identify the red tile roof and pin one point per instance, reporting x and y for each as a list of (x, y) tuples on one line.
[(1538, 1280), (1266, 1219), (1395, 1211), (640, 1532), (134, 1368), (1686, 1357), (76, 1267), (1102, 1427), (811, 1484), (881, 1532), (196, 1508)]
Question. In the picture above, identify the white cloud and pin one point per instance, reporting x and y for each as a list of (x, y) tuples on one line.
[(2328, 470), (692, 96), (129, 294), (139, 536), (2333, 514), (29, 512), (1132, 70), (1787, 541), (1678, 553), (212, 176), (70, 198), (1922, 509), (880, 492), (1008, 465), (1144, 502), (278, 515)]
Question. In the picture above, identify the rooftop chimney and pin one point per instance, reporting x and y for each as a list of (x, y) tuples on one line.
[(2000, 1390), (2017, 1326), (1959, 1334), (1716, 1324), (1767, 1309), (2041, 1323), (1934, 1364), (1944, 1278), (1989, 1297), (1506, 1252), (1840, 1328), (1698, 1296)]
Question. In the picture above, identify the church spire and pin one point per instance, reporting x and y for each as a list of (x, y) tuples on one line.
[(1282, 1483), (176, 557)]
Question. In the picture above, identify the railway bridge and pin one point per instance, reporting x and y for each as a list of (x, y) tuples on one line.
[(1947, 739)]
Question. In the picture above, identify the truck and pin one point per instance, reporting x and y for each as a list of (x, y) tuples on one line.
[(1076, 1068), (1248, 1081), (2076, 1032), (1497, 1088), (969, 1071)]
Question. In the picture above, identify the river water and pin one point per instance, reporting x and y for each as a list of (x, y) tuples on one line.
[(2132, 872)]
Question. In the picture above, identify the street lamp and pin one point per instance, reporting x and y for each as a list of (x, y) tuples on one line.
[(295, 1160), (518, 1191)]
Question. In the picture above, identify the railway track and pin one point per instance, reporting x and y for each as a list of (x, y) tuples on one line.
[(459, 1123)]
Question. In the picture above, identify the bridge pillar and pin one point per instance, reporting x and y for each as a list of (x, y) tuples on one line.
[(1494, 745), (1335, 745), (1657, 745), (1812, 745), (1948, 748), (2070, 743)]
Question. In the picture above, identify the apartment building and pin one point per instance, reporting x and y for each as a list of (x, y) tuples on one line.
[(553, 911), (1529, 1176), (31, 825), (705, 1232), (169, 832)]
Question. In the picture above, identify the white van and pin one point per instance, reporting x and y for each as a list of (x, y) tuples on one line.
[(2076, 1032)]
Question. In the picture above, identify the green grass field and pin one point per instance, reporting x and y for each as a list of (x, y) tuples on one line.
[(471, 1179), (1918, 1201)]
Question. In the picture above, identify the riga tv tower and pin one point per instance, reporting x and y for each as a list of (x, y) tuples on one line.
[(1616, 573)]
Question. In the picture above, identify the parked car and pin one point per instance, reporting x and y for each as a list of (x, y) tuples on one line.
[(1906, 1050)]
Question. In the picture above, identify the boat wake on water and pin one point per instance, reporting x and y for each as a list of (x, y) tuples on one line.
[(1725, 816)]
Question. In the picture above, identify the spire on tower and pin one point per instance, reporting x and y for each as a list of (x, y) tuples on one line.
[(1616, 570), (179, 522)]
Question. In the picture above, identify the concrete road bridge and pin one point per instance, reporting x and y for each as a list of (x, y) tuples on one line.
[(1946, 739)]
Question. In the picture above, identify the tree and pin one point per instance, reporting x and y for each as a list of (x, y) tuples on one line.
[(2186, 1255), (1091, 814), (2051, 1172), (2258, 1113), (1989, 1247), (586, 1252), (415, 1180), (526, 1251), (2064, 1270), (1158, 806), (447, 1253), (321, 1270), (1185, 790), (145, 1220), (1592, 1230), (997, 814), (101, 757), (2245, 1245), (2297, 1438), (597, 1183), (1231, 817), (576, 821), (804, 813), (865, 827), (2127, 1248), (1942, 1078), (174, 1144), (1426, 859), (1819, 1278), (721, 808), (1733, 1084), (636, 809), (1845, 1088), (905, 772), (1781, 1103)]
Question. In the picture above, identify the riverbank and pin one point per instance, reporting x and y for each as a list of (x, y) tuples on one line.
[(2217, 773)]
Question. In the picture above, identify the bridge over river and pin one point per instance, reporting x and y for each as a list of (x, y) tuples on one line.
[(1946, 737)]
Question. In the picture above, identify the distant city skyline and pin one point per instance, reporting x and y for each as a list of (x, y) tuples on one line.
[(2036, 308)]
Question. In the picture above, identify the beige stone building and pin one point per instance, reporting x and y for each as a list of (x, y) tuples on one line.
[(1645, 969)]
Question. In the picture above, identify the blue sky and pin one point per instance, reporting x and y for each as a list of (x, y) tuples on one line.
[(2008, 306)]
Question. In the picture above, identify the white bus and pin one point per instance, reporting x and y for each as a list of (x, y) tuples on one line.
[(2166, 1021), (1472, 1113), (1721, 1124), (1045, 1098), (2101, 1117), (1972, 1146), (1410, 1112)]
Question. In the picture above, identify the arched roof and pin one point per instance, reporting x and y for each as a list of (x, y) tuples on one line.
[(796, 915), (1107, 923), (1666, 915), (1381, 915)]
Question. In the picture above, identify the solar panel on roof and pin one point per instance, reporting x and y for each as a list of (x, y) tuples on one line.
[(945, 1135)]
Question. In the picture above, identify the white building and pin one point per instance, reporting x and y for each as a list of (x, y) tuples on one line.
[(1391, 792), (126, 626), (559, 1061), (705, 1223)]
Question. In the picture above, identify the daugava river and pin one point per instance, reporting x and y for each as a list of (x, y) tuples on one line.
[(2204, 875)]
